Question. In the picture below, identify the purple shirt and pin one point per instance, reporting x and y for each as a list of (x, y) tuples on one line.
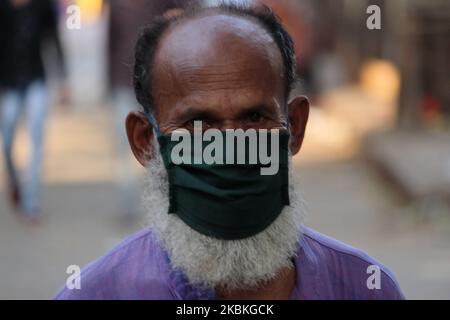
[(139, 268)]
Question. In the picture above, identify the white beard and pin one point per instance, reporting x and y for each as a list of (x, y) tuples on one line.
[(212, 262)]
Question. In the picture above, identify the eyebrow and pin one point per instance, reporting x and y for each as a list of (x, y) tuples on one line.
[(192, 112), (263, 108)]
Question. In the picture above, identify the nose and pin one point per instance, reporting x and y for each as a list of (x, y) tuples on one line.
[(229, 124)]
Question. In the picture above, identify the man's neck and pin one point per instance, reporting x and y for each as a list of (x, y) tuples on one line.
[(280, 288)]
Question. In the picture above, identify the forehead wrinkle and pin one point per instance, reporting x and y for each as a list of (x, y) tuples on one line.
[(218, 77)]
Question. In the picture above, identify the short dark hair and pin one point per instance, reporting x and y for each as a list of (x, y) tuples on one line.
[(150, 35)]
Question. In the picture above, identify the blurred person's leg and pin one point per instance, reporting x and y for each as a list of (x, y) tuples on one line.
[(36, 104), (10, 109), (124, 101)]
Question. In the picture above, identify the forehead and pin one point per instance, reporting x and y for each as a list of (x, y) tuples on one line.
[(217, 56)]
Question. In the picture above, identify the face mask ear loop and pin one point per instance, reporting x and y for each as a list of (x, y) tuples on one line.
[(288, 122), (153, 122), (286, 195)]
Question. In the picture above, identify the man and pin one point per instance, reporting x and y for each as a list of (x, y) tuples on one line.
[(223, 231), (26, 25)]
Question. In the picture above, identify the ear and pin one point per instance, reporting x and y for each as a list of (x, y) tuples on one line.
[(298, 117), (140, 136)]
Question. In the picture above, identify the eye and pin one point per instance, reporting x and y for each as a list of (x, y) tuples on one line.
[(205, 124), (254, 116)]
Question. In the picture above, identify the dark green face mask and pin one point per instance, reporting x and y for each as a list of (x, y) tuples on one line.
[(226, 201)]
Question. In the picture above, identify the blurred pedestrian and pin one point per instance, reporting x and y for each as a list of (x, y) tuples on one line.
[(26, 27)]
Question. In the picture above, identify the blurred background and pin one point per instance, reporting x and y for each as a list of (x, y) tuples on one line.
[(375, 165)]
